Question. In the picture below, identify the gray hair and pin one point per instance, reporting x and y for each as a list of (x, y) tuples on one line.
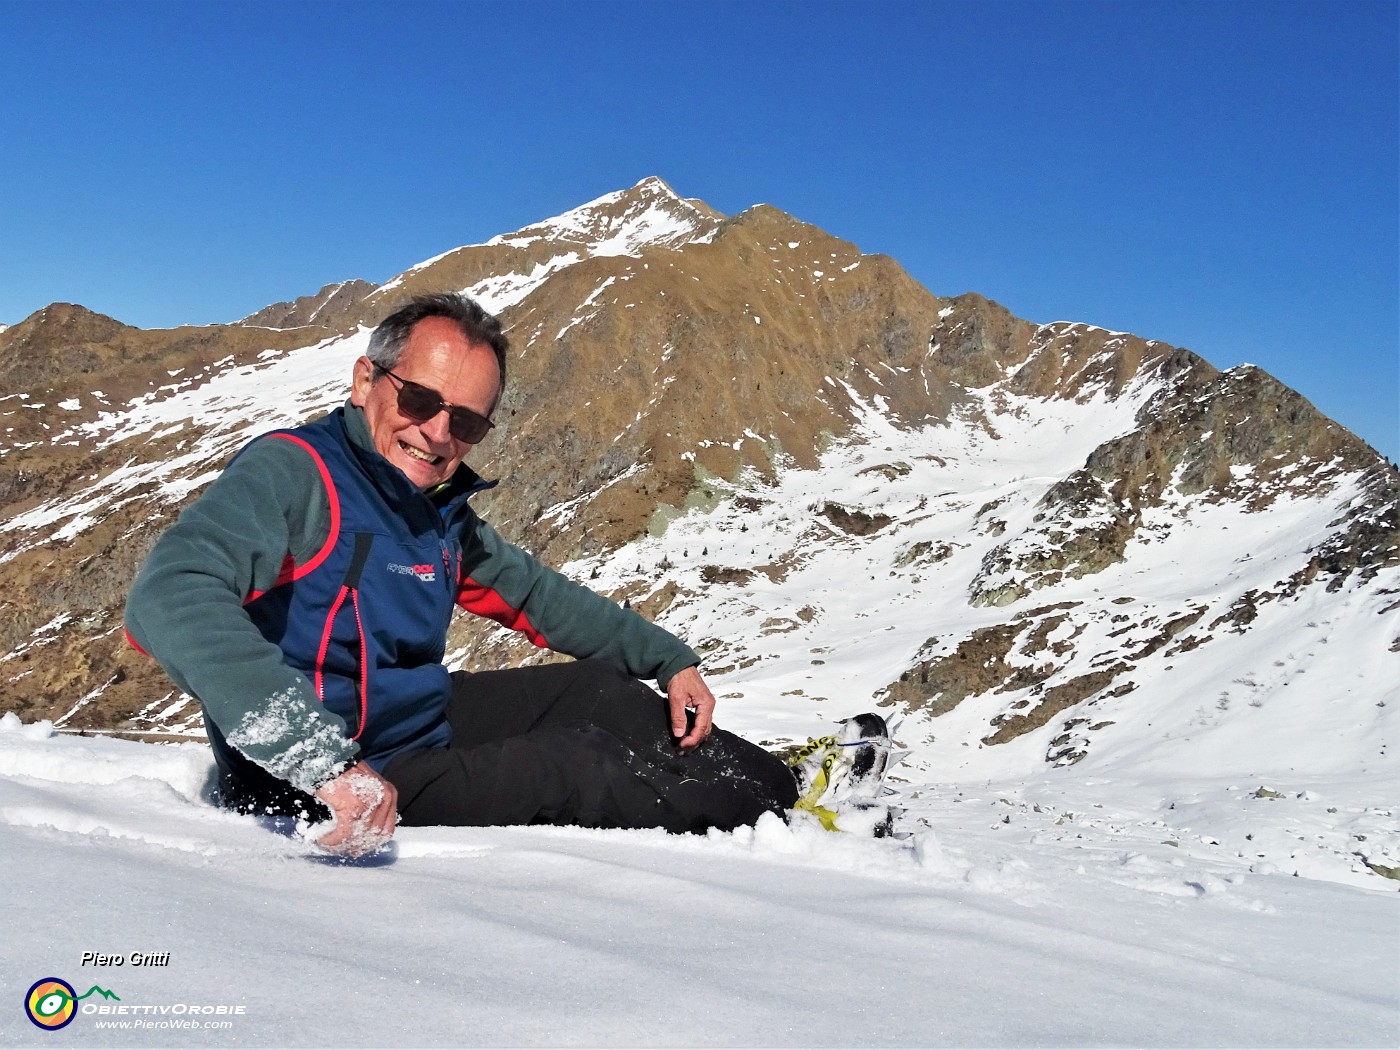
[(387, 341)]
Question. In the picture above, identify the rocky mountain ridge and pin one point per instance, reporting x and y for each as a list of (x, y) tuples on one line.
[(781, 405), (330, 309)]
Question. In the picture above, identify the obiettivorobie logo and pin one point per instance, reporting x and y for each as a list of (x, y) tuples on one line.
[(52, 1003)]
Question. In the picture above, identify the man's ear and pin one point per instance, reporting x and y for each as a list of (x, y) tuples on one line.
[(360, 381)]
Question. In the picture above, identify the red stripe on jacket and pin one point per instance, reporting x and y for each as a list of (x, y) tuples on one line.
[(290, 570), (483, 601)]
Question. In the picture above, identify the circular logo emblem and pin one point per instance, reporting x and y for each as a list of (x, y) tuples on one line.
[(50, 1003)]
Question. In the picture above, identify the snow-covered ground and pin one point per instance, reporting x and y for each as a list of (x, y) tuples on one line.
[(1049, 930)]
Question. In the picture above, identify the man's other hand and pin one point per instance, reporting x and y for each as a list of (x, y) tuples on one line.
[(688, 690), (365, 809)]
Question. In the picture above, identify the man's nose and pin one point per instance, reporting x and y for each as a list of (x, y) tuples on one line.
[(436, 429)]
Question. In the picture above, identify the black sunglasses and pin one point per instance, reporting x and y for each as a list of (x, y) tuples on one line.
[(422, 403)]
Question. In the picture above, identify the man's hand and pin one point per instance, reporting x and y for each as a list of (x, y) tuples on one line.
[(364, 808), (688, 689)]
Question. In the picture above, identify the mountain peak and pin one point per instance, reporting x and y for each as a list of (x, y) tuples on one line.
[(655, 184), (75, 323), (623, 222), (507, 268)]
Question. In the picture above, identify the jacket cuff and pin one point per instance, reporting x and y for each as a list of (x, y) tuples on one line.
[(293, 742), (675, 666)]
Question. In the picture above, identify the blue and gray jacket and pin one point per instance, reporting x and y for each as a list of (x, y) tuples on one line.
[(305, 597)]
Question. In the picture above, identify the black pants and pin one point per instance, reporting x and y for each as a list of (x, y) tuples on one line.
[(583, 744)]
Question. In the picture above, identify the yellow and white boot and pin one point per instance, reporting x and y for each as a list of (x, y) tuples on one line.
[(840, 778)]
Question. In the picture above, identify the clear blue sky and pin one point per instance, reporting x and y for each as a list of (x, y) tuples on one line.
[(1219, 175)]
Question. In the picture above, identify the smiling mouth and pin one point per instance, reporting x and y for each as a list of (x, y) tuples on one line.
[(419, 454)]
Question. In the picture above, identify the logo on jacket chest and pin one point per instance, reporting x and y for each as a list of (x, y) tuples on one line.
[(426, 573)]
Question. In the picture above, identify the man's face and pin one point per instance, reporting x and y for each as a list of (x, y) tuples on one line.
[(439, 357)]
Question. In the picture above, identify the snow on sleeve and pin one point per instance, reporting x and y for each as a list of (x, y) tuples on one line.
[(291, 742)]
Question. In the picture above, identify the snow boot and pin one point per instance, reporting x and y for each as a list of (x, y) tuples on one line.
[(840, 777)]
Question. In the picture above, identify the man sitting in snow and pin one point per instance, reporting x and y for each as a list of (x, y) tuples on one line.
[(304, 599)]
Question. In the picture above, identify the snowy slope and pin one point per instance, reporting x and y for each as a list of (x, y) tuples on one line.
[(808, 625), (977, 934), (228, 408)]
